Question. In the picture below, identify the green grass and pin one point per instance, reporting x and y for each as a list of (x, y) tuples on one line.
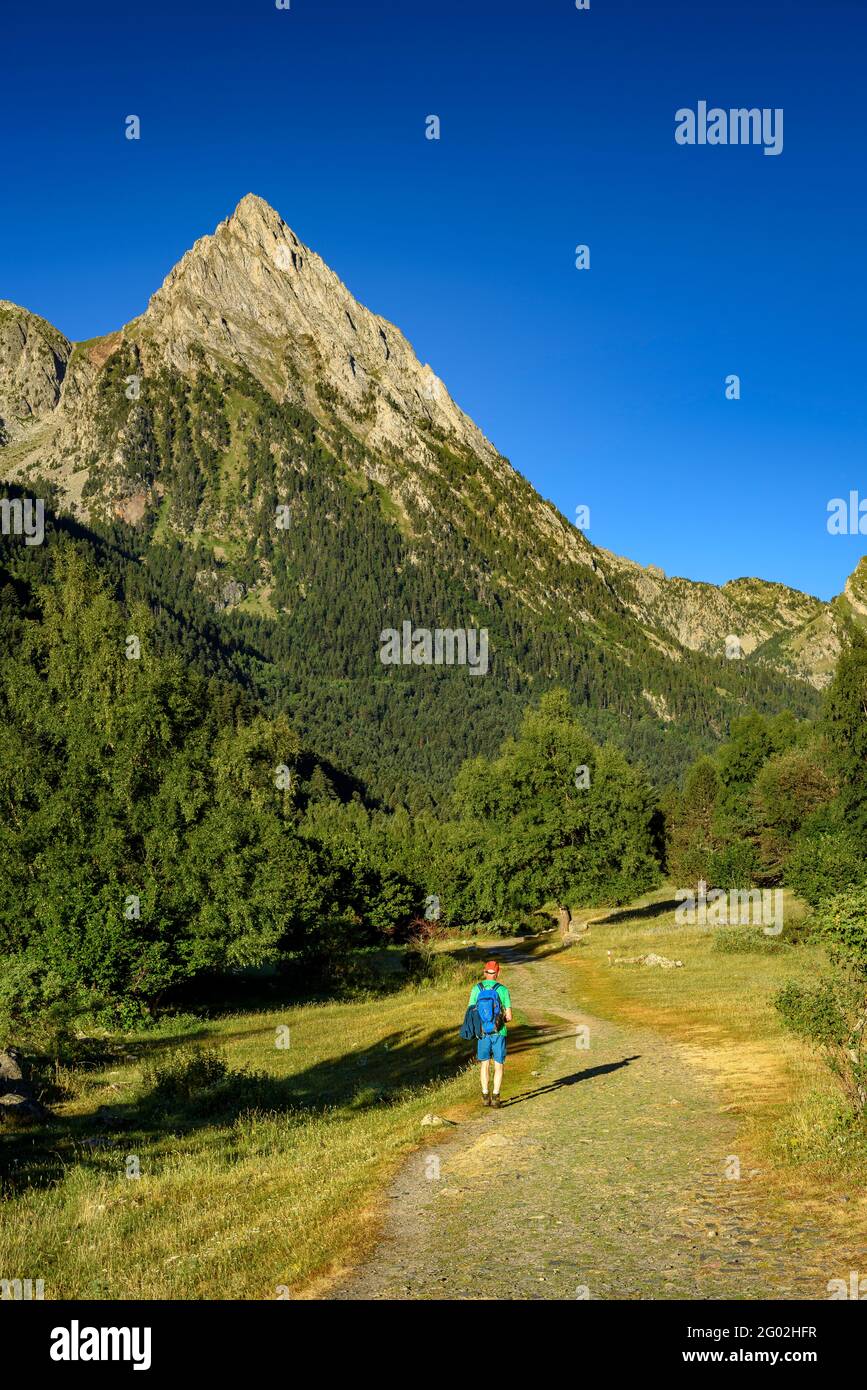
[(263, 1167), (233, 459), (257, 1184)]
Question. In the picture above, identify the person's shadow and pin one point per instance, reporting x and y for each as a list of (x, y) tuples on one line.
[(586, 1075)]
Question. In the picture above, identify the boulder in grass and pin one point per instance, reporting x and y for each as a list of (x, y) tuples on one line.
[(11, 1066), (18, 1102)]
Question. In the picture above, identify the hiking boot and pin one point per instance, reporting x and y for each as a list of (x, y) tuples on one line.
[(486, 1099), (495, 1102)]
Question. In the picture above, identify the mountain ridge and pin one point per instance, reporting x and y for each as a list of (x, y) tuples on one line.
[(254, 377)]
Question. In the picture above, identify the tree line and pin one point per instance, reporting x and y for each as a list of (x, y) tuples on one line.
[(157, 826)]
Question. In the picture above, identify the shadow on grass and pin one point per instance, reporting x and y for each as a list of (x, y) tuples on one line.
[(637, 914), (533, 949), (153, 1119), (374, 971), (264, 989), (586, 1075), (386, 1072)]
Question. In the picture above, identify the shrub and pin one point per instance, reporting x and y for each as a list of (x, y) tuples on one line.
[(494, 928), (427, 966), (185, 1073), (39, 1007), (841, 921), (832, 1016), (734, 941), (823, 865), (733, 866), (833, 1013), (340, 974), (420, 929), (198, 1082)]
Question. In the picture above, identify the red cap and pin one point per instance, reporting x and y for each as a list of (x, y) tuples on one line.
[(492, 968)]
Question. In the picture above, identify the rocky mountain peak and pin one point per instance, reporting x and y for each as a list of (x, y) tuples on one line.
[(252, 209), (253, 293)]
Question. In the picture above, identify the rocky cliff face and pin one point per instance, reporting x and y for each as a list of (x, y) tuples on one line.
[(254, 294), (252, 298), (33, 359), (792, 631), (855, 593)]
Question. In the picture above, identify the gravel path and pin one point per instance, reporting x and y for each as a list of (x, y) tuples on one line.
[(602, 1176)]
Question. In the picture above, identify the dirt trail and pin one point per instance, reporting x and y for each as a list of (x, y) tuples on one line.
[(602, 1176)]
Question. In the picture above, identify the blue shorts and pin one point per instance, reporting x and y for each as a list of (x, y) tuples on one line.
[(494, 1046)]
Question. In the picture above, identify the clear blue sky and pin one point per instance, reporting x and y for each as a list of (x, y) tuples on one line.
[(604, 387)]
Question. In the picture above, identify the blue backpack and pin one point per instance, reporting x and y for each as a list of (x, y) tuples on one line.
[(490, 1009)]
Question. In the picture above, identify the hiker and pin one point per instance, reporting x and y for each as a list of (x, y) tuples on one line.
[(493, 1005)]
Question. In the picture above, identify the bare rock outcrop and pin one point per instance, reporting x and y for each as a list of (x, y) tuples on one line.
[(254, 294), (33, 358), (18, 1101)]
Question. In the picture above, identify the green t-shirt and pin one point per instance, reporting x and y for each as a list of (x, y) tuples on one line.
[(505, 1000)]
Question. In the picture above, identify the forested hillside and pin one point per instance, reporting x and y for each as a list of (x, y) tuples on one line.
[(206, 766), (268, 465), (296, 611)]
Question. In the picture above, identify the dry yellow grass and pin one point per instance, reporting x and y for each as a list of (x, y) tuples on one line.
[(719, 1008)]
